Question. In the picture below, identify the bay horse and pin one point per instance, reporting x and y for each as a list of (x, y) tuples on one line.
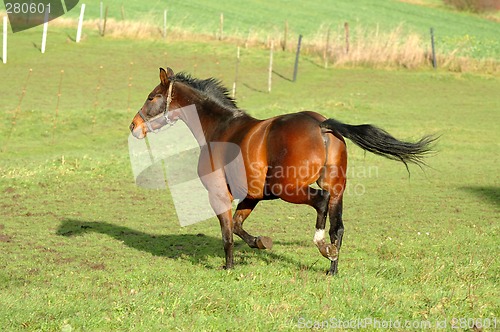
[(283, 156)]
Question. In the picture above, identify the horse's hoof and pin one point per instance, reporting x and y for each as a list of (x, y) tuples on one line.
[(264, 242), (331, 273)]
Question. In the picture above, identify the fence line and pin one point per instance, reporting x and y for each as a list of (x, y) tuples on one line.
[(333, 52)]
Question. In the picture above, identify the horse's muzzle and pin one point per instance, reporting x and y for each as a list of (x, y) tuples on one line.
[(137, 127), (137, 130)]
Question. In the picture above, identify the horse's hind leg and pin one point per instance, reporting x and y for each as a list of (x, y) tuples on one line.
[(318, 199), (334, 181), (327, 250), (243, 210), (336, 229)]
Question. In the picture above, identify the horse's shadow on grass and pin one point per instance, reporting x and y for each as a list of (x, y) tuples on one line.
[(490, 194), (195, 248)]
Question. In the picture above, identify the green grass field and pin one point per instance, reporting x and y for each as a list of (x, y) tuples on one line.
[(467, 34), (388, 33), (82, 248)]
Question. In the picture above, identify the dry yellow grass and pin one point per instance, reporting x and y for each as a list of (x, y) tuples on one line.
[(387, 50), (373, 48)]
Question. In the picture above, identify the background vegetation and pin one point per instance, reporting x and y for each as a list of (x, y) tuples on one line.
[(82, 248), (386, 33), (475, 6)]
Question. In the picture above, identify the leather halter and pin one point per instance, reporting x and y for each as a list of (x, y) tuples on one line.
[(161, 115)]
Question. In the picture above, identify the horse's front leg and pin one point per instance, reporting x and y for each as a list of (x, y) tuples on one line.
[(243, 210), (226, 226), (220, 201)]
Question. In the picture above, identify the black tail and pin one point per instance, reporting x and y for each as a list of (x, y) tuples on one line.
[(378, 141)]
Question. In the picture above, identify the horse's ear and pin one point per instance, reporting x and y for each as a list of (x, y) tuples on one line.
[(166, 75)]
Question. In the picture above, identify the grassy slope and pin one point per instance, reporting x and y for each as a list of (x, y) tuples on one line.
[(472, 35), (80, 245)]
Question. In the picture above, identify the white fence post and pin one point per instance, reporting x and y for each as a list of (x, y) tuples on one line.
[(269, 78), (4, 53), (100, 17), (165, 23), (80, 23), (44, 34)]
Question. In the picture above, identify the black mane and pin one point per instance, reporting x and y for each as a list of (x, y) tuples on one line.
[(211, 87)]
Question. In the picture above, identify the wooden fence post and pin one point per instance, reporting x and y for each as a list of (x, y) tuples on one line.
[(221, 26), (346, 28), (270, 75), (236, 71), (105, 21), (100, 17), (285, 36), (97, 92), (434, 64), (327, 47), (296, 67), (130, 87), (54, 126)]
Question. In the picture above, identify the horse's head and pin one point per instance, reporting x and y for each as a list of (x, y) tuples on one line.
[(156, 111)]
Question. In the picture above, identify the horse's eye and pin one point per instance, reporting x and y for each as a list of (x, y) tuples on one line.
[(150, 98)]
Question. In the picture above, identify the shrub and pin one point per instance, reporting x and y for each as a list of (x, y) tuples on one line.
[(475, 6)]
